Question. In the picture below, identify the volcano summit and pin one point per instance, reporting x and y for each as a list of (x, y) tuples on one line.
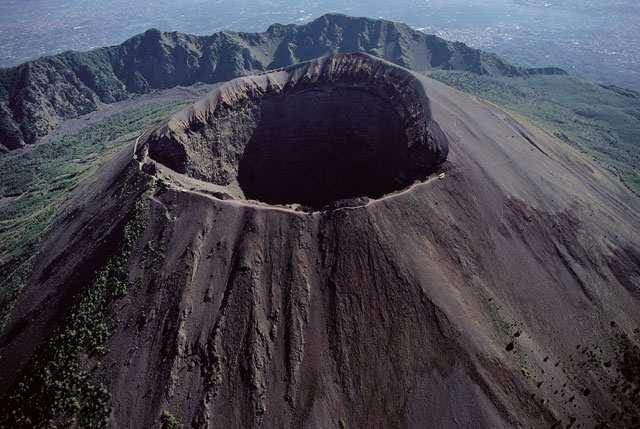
[(287, 253), (341, 127)]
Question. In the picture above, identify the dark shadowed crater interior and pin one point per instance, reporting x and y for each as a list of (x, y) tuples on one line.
[(323, 145)]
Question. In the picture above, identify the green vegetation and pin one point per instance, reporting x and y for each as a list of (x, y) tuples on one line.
[(603, 122), (34, 182), (169, 421), (59, 386)]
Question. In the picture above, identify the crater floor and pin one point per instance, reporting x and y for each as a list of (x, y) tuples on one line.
[(323, 145)]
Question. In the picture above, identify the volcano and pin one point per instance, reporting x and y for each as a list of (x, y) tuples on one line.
[(340, 243), (309, 135)]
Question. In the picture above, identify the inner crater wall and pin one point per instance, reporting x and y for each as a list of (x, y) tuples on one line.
[(325, 144), (338, 127)]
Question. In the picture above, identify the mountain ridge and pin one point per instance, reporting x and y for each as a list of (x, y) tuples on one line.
[(37, 95)]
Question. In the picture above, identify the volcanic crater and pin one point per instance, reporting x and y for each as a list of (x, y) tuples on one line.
[(345, 127)]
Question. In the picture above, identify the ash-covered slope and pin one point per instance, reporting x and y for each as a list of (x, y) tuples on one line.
[(35, 96), (500, 291)]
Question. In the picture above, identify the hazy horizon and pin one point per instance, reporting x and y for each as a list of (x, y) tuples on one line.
[(593, 38)]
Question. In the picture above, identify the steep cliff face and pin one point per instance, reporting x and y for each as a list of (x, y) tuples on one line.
[(35, 96), (500, 291)]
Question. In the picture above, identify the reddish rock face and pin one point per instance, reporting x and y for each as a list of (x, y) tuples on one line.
[(340, 127)]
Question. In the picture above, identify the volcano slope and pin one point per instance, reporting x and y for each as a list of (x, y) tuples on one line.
[(342, 243)]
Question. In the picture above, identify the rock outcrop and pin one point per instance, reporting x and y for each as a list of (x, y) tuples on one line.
[(37, 95)]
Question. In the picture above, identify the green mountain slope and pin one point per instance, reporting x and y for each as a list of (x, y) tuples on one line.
[(35, 182)]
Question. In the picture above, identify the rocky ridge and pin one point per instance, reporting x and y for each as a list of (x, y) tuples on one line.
[(37, 95)]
